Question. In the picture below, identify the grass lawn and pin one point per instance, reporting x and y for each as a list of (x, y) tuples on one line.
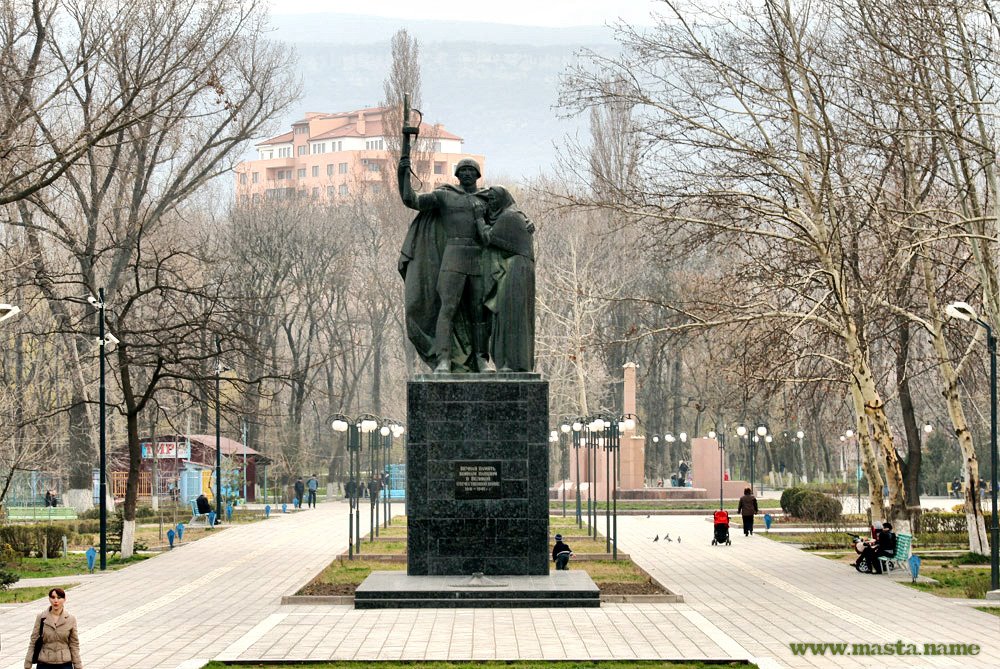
[(20, 595), (837, 538), (342, 576), (960, 582), (493, 664), (68, 566), (995, 610)]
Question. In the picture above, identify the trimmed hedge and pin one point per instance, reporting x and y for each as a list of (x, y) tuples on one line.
[(943, 521), (26, 540), (810, 505)]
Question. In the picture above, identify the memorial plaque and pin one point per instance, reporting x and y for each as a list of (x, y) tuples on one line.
[(477, 479)]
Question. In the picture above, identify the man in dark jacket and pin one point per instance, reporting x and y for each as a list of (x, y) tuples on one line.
[(747, 509), (300, 491), (561, 553), (202, 503), (884, 545)]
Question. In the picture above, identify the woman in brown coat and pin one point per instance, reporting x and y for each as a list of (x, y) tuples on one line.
[(747, 509), (60, 639)]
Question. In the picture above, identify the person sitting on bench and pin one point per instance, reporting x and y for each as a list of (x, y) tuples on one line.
[(884, 545), (561, 553), (203, 506)]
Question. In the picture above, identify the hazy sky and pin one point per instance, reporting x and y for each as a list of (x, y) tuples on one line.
[(518, 12)]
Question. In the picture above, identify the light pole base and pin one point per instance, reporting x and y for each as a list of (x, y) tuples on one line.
[(993, 595)]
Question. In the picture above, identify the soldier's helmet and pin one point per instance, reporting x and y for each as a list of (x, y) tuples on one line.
[(468, 162)]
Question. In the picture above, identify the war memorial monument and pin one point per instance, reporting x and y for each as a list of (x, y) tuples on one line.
[(477, 455)]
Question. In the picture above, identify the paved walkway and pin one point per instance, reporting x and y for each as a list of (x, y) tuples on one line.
[(219, 598)]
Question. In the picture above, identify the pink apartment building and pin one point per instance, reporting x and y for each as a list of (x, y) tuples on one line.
[(327, 157)]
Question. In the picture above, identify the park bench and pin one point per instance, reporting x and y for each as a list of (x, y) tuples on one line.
[(39, 513), (197, 517), (904, 542)]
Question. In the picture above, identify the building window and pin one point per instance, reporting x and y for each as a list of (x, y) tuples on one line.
[(329, 169), (319, 148), (315, 193), (302, 173), (243, 180), (342, 168), (315, 171), (245, 200), (343, 189), (256, 177), (376, 188), (285, 152), (375, 144), (303, 193), (438, 168), (302, 150), (329, 192), (279, 175), (374, 167), (256, 198), (340, 146), (301, 129)]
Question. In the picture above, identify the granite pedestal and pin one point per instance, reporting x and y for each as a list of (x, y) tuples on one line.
[(477, 499), (477, 475)]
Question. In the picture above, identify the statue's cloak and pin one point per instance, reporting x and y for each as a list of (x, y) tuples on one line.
[(419, 263)]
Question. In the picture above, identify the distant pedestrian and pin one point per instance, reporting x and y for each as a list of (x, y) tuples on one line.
[(50, 498), (300, 491), (60, 640), (682, 471), (312, 485), (747, 509)]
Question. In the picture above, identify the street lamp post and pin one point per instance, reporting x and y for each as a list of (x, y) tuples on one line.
[(553, 444), (341, 423), (102, 342), (758, 441), (368, 424), (218, 429), (564, 469), (857, 456), (722, 464), (802, 457), (963, 311), (577, 426), (741, 432)]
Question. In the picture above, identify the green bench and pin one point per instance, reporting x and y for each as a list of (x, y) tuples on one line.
[(39, 513), (904, 543)]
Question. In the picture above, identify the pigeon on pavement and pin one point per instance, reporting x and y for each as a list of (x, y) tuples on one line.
[(657, 538)]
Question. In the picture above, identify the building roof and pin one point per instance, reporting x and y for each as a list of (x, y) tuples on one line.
[(226, 445), (280, 139), (374, 127)]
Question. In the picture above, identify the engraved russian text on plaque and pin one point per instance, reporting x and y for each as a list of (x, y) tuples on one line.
[(477, 479)]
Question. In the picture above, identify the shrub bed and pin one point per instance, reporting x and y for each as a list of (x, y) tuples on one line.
[(810, 505)]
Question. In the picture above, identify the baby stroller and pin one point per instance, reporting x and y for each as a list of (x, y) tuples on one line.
[(721, 519)]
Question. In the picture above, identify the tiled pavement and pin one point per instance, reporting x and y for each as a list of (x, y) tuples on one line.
[(219, 598)]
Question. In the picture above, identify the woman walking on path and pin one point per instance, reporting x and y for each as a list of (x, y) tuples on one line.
[(60, 647), (747, 509)]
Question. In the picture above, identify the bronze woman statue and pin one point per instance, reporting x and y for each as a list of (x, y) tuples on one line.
[(509, 282)]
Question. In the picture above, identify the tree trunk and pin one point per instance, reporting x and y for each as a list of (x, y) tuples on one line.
[(978, 539), (134, 455), (911, 472)]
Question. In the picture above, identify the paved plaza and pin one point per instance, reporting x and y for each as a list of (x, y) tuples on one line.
[(219, 598)]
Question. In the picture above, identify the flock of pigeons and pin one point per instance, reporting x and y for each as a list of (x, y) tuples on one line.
[(666, 537)]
